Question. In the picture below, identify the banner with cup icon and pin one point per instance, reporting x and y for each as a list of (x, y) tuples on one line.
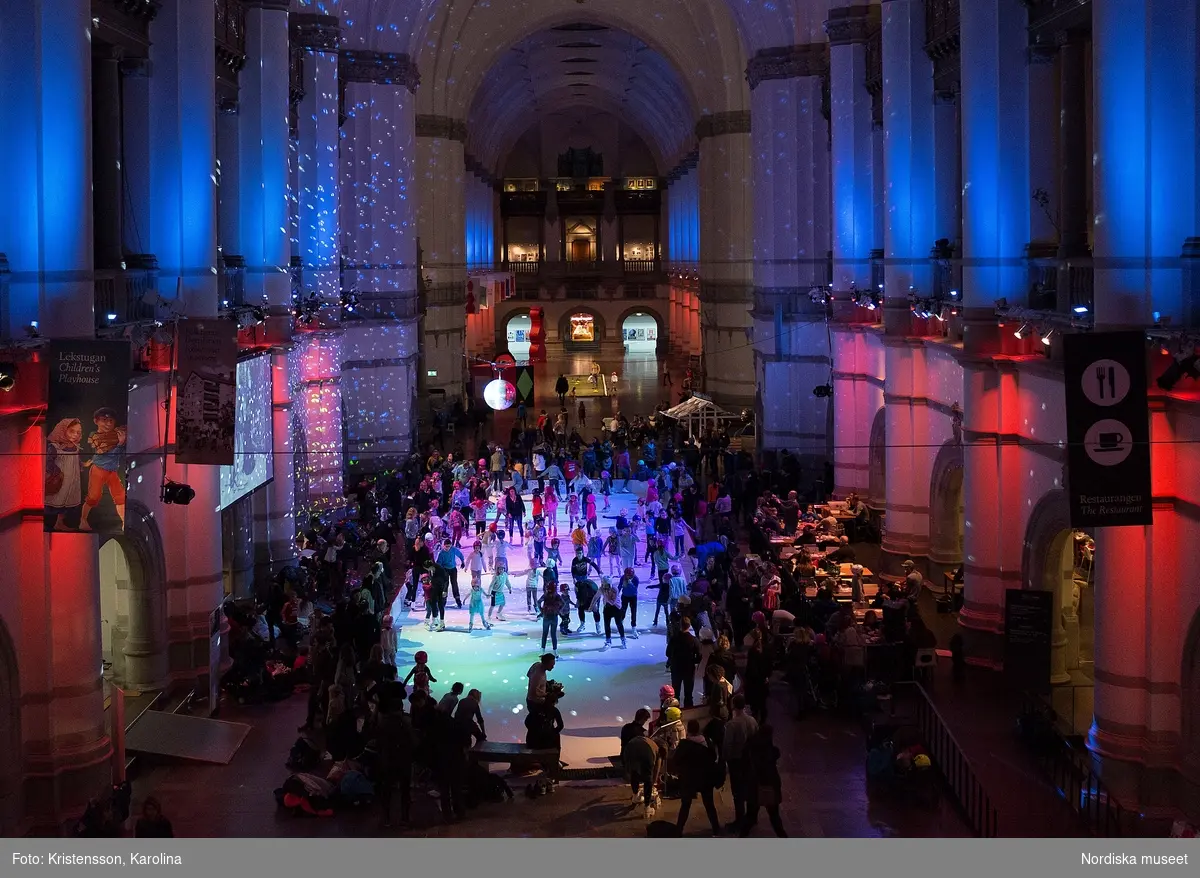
[(1108, 429)]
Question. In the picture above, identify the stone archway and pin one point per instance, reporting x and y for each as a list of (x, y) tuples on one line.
[(12, 765), (877, 462), (1048, 564), (946, 506), (143, 640)]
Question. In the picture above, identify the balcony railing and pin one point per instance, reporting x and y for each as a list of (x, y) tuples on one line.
[(530, 267), (582, 266), (125, 296), (1059, 284), (640, 266), (233, 280)]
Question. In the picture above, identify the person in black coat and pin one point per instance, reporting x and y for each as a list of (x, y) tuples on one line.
[(395, 746), (683, 655), (695, 764), (766, 786)]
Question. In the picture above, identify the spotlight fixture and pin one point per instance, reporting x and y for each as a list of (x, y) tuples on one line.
[(8, 377), (177, 493), (1020, 333), (1080, 309), (823, 391), (1047, 336)]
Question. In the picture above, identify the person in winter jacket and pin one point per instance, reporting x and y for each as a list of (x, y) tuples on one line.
[(695, 764)]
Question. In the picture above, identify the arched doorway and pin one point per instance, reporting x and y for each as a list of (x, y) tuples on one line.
[(946, 507), (517, 333), (11, 766), (133, 603), (1059, 559), (640, 333), (877, 462), (581, 330)]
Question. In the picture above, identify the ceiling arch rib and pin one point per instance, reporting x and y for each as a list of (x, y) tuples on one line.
[(547, 73), (459, 44)]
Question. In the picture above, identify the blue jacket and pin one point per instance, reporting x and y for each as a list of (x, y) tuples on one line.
[(446, 558)]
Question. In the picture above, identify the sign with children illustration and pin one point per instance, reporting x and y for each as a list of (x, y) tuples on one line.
[(86, 436)]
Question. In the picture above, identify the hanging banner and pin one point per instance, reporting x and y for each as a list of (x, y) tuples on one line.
[(86, 408), (523, 381), (1108, 429), (206, 406)]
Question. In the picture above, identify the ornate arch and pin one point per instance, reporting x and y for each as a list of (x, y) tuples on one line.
[(945, 505), (877, 461), (1050, 517), (143, 547), (564, 325), (643, 309), (12, 766)]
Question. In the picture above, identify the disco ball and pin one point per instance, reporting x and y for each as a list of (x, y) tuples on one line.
[(500, 394)]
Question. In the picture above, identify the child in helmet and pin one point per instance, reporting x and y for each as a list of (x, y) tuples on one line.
[(420, 675)]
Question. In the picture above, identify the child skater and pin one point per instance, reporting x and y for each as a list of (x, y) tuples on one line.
[(500, 585), (475, 606), (419, 675)]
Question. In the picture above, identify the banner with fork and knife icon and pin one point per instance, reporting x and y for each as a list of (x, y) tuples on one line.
[(1108, 429)]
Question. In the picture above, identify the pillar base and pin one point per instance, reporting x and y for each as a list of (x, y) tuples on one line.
[(983, 640)]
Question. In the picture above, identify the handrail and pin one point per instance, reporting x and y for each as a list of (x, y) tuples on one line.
[(948, 757), (1073, 777)]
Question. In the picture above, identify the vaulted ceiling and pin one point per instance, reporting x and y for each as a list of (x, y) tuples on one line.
[(482, 58), (581, 65)]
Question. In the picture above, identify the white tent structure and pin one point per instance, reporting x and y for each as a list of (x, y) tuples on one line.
[(697, 413)]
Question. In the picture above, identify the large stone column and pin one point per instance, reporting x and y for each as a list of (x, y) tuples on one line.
[(46, 230), (317, 357), (852, 146), (908, 158), (790, 138), (183, 117), (724, 179), (53, 611), (1144, 62), (440, 170), (1144, 70), (379, 237), (263, 129), (995, 160)]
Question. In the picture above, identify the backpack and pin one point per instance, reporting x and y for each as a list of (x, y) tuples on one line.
[(719, 703)]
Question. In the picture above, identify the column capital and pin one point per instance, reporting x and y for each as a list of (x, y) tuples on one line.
[(381, 68), (441, 127), (718, 124), (311, 31), (788, 62), (848, 25)]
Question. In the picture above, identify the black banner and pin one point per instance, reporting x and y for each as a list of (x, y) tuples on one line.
[(1028, 620), (1108, 429)]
